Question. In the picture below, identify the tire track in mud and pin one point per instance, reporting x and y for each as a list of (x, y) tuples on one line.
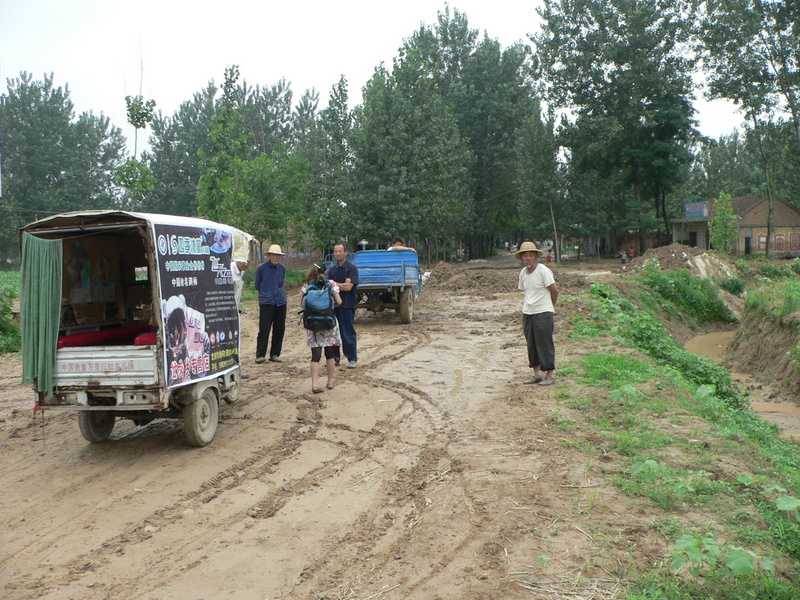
[(366, 527), (435, 487), (403, 491)]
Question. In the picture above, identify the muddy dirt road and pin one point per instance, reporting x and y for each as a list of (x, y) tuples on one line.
[(429, 472)]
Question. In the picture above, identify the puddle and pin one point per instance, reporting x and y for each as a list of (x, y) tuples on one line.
[(714, 345), (787, 417)]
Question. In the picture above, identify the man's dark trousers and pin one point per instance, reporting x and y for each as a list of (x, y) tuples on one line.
[(347, 329), (270, 317)]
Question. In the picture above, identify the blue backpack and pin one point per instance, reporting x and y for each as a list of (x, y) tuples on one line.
[(318, 314)]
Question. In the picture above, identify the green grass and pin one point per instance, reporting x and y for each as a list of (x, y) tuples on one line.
[(777, 301), (615, 370)]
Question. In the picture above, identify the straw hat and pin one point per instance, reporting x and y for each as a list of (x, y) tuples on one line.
[(275, 249), (528, 247)]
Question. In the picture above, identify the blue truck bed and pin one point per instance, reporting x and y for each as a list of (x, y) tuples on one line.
[(387, 279), (385, 269)]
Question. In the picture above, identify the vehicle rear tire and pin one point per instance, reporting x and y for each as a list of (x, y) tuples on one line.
[(234, 390), (96, 425), (406, 305), (200, 419)]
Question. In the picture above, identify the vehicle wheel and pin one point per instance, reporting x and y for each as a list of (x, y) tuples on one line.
[(200, 419), (234, 390), (406, 305), (96, 425)]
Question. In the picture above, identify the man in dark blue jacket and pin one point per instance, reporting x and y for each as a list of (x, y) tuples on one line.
[(272, 305), (346, 275)]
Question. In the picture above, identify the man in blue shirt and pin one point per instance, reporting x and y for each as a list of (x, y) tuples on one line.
[(272, 305), (346, 275)]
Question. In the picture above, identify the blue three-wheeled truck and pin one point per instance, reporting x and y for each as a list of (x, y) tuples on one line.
[(387, 279)]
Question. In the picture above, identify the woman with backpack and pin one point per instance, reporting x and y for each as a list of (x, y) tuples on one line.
[(325, 339)]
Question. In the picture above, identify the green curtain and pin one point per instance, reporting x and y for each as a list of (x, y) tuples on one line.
[(40, 309)]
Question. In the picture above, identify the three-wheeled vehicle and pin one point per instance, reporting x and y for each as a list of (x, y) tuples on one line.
[(131, 315)]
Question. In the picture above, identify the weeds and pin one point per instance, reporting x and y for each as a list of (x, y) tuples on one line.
[(705, 553), (669, 488), (778, 302), (733, 285), (696, 296)]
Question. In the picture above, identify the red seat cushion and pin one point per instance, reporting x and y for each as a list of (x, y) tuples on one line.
[(93, 338), (146, 339)]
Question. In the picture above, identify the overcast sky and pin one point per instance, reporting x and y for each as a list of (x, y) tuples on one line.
[(106, 49)]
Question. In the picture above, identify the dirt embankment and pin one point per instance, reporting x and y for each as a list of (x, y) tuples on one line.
[(429, 472)]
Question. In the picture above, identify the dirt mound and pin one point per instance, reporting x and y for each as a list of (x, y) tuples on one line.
[(671, 258), (677, 256), (441, 274), (480, 281)]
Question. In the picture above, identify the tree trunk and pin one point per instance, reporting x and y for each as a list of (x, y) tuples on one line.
[(555, 234), (766, 180)]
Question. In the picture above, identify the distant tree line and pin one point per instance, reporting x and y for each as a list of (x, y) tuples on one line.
[(458, 145)]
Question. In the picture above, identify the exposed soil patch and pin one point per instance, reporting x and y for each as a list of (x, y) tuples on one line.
[(764, 351), (672, 257)]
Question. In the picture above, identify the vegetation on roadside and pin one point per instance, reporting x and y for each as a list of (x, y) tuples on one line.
[(716, 457), (696, 297), (10, 339), (777, 305)]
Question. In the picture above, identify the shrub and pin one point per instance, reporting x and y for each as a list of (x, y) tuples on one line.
[(767, 269), (775, 300), (733, 285), (698, 297)]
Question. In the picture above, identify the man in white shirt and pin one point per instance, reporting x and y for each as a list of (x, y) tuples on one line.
[(238, 267), (397, 244), (538, 309)]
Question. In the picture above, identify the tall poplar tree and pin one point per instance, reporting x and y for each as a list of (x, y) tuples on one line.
[(176, 143), (409, 172), (218, 196), (752, 55), (624, 68)]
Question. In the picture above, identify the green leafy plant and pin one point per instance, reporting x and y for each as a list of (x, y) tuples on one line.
[(705, 553), (767, 269), (789, 504)]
